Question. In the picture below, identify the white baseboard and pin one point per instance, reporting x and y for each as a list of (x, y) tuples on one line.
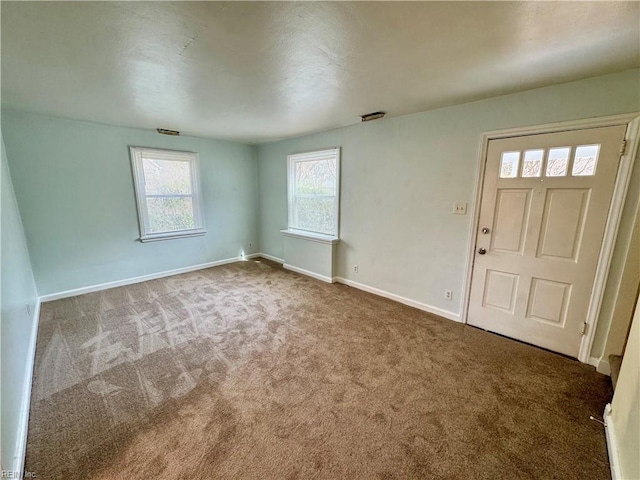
[(21, 444), (602, 365), (23, 426), (309, 273), (376, 291), (271, 257), (612, 444), (142, 278), (407, 301)]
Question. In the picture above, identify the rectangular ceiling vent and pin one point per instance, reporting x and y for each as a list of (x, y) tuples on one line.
[(372, 116), (165, 131)]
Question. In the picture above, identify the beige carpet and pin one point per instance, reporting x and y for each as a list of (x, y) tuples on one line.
[(247, 371)]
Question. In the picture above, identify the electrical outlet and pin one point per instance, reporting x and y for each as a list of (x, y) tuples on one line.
[(448, 294), (460, 208), (28, 309), (250, 244), (355, 269)]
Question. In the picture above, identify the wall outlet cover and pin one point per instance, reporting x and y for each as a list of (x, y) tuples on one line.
[(460, 208)]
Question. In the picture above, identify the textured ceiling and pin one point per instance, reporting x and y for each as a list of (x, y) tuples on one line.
[(261, 71)]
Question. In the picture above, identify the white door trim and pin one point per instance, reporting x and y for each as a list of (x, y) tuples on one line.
[(623, 178)]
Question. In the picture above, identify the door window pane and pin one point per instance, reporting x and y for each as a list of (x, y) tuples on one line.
[(558, 162), (509, 164), (532, 164), (585, 161)]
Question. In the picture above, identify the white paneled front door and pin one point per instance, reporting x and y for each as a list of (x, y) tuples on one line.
[(544, 207)]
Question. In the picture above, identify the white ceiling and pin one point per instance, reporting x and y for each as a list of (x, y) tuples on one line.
[(261, 71)]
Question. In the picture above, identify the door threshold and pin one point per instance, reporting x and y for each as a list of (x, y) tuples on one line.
[(525, 343)]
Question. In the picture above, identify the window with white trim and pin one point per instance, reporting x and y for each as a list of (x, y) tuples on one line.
[(314, 191), (167, 185)]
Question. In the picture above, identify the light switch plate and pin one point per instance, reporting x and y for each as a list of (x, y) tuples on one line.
[(460, 208)]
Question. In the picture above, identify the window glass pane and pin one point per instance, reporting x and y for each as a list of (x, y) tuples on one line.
[(509, 164), (167, 193), (314, 195), (168, 214), (166, 177), (585, 160), (315, 214), (558, 162), (532, 164), (316, 177)]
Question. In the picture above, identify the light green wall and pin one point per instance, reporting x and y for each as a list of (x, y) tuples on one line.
[(18, 299), (400, 177), (622, 285), (625, 407), (74, 186)]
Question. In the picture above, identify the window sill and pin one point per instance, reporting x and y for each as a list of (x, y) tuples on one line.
[(172, 235), (314, 237)]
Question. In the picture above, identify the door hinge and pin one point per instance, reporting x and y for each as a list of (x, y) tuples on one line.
[(583, 328), (623, 147)]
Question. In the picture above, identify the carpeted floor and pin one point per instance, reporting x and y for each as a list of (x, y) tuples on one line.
[(247, 371)]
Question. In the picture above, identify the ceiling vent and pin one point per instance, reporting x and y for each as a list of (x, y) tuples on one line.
[(165, 131), (372, 116)]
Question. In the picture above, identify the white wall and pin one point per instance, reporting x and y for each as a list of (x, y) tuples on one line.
[(400, 177), (18, 293), (625, 408)]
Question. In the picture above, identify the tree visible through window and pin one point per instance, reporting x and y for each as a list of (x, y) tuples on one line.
[(167, 191), (585, 160), (313, 192)]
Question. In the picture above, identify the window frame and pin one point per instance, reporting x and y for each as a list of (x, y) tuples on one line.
[(138, 154), (311, 156)]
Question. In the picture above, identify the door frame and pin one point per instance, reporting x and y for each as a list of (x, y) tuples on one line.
[(623, 178)]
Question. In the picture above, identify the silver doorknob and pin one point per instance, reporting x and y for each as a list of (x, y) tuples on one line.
[(485, 230), (482, 251)]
